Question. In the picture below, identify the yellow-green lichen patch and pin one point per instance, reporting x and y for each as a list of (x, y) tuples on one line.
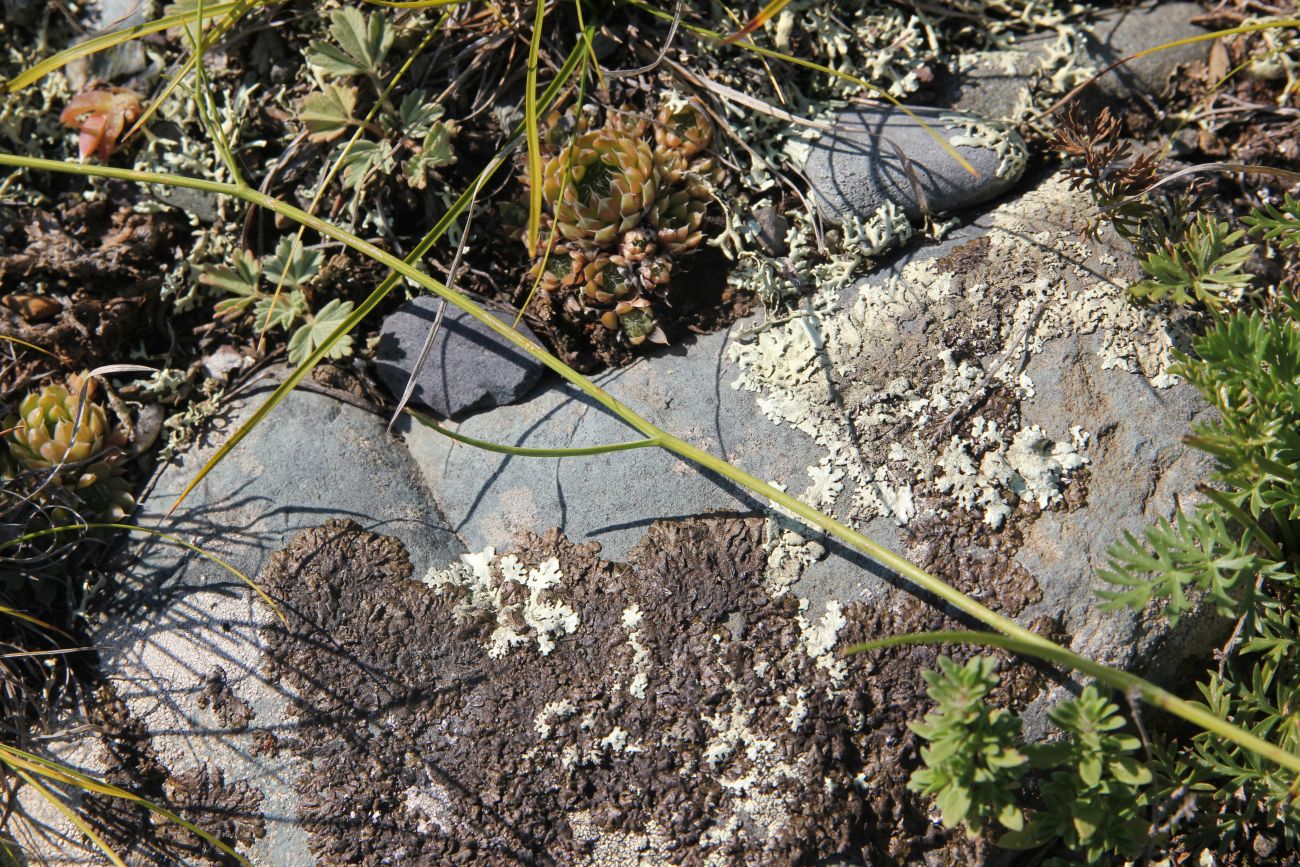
[(915, 385)]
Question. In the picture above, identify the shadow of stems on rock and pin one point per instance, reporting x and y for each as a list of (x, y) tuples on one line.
[(1012, 635), (1009, 634)]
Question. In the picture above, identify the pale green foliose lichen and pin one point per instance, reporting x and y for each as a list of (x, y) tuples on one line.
[(486, 581), (862, 371)]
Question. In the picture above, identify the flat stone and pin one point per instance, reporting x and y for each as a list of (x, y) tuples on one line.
[(998, 84), (469, 367), (845, 415), (183, 646), (879, 155)]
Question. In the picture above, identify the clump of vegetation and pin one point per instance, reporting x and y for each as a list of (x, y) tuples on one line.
[(62, 440), (276, 291), (1237, 550), (411, 134), (623, 198)]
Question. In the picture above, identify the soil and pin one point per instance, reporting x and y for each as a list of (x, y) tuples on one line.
[(743, 749)]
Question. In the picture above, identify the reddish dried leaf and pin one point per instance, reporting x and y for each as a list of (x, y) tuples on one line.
[(100, 114)]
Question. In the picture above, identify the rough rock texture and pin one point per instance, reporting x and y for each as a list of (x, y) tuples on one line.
[(182, 650), (468, 367), (1004, 84), (688, 717), (878, 155), (993, 406)]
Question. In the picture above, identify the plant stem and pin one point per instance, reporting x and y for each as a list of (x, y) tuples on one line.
[(1016, 635)]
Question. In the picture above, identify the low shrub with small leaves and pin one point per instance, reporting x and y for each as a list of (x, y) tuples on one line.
[(1094, 791)]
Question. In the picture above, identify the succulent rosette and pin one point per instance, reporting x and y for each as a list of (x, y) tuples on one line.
[(635, 321), (46, 434), (676, 218), (600, 186)]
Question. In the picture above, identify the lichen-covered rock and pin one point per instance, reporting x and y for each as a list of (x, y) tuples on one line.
[(1000, 412), (689, 717), (1015, 81), (879, 156)]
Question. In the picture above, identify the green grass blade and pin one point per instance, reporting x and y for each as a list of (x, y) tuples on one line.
[(1165, 46), (1125, 682), (28, 345), (525, 452), (107, 40), (534, 137), (22, 761), (68, 813)]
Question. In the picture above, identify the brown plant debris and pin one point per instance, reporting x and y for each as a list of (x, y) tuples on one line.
[(687, 717)]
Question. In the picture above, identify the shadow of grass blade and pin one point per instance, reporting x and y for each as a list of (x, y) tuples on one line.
[(25, 764), (148, 531)]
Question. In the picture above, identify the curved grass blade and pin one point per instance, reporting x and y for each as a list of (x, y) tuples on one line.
[(35, 621), (149, 531), (767, 13), (534, 138), (526, 452), (28, 345), (1165, 46), (108, 40), (904, 568), (68, 813)]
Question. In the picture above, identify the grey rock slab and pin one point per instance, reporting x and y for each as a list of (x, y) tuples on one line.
[(998, 83), (878, 154), (181, 616), (468, 368), (488, 498), (1138, 471)]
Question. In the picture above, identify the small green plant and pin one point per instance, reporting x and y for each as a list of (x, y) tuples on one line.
[(61, 438), (1204, 266), (1094, 794), (285, 307), (1281, 226), (1239, 548), (1095, 797), (412, 134), (973, 763)]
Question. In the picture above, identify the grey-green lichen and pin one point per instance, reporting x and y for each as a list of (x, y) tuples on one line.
[(524, 604), (863, 371), (998, 137)]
